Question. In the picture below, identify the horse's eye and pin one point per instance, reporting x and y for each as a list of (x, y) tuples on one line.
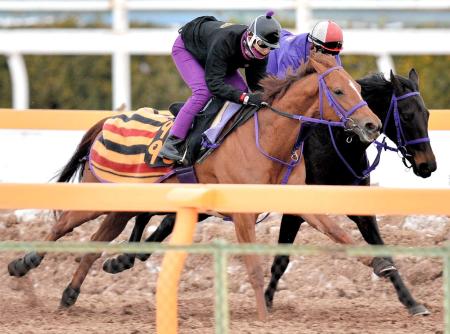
[(338, 91), (407, 116)]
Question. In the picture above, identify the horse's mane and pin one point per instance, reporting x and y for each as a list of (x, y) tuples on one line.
[(276, 88), (373, 85)]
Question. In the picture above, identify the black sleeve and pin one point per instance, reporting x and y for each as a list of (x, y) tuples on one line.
[(254, 73), (215, 73)]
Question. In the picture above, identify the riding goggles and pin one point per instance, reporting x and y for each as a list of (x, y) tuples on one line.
[(263, 45)]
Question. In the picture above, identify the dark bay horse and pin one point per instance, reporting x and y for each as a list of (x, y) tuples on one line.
[(409, 132), (291, 99), (408, 129)]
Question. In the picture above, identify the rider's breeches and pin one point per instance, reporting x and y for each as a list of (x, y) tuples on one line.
[(193, 75)]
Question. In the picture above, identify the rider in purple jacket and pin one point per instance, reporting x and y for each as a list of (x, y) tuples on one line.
[(325, 37)]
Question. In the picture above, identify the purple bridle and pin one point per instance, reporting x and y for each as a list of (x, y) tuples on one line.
[(343, 114), (393, 108), (401, 139)]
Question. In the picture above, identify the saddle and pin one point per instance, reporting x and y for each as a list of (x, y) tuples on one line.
[(211, 126)]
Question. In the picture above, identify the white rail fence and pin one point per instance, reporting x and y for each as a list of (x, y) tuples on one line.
[(121, 41)]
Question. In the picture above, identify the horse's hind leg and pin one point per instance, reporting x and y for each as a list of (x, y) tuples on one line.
[(126, 261), (110, 228), (290, 225), (163, 231), (160, 234), (65, 224), (245, 232), (369, 229)]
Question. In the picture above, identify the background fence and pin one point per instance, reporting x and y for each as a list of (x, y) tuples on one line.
[(120, 40), (188, 200)]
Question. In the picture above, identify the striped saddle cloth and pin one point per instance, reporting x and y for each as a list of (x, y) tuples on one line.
[(127, 148)]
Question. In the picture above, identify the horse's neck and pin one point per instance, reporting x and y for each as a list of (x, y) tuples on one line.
[(284, 129), (379, 104)]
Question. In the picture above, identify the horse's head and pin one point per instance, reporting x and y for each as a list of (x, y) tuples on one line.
[(407, 124), (340, 98)]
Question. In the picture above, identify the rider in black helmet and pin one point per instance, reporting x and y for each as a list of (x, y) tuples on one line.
[(264, 31), (208, 54)]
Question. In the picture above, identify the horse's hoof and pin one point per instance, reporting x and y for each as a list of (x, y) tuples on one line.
[(269, 301), (126, 260), (383, 267), (142, 257), (69, 296), (17, 268), (20, 267), (119, 264), (110, 266), (419, 309), (32, 260)]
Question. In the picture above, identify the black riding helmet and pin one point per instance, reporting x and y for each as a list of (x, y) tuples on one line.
[(267, 29)]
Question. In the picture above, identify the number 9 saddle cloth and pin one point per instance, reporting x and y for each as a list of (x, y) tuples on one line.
[(126, 150)]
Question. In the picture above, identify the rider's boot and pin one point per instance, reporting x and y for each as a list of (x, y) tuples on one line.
[(170, 149)]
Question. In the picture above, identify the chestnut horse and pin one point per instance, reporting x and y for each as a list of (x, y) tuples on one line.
[(340, 161), (296, 99)]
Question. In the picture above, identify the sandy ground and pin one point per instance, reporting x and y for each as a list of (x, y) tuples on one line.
[(321, 294)]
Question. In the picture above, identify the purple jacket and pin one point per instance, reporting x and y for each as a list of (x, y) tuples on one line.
[(293, 51)]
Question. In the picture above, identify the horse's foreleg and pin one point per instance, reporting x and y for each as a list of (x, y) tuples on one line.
[(110, 228), (328, 227), (65, 224), (289, 228), (369, 229), (245, 232), (367, 225)]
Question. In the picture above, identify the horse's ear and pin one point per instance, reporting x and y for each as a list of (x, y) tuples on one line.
[(414, 77), (320, 68), (395, 82)]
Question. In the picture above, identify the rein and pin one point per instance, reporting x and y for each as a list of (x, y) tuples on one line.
[(343, 114)]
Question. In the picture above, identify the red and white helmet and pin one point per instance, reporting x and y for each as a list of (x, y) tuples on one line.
[(328, 36)]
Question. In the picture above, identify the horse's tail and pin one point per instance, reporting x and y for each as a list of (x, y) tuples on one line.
[(78, 159)]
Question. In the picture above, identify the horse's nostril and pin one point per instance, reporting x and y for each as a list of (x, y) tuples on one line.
[(371, 127), (427, 168)]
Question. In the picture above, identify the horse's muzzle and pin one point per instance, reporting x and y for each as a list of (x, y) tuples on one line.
[(424, 169), (367, 131)]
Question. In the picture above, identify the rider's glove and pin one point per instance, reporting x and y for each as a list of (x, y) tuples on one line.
[(251, 98)]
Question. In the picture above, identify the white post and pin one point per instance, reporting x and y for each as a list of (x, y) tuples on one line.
[(303, 16), (121, 82), (19, 81), (385, 64)]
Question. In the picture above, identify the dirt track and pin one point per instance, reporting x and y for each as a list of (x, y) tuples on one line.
[(322, 294)]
